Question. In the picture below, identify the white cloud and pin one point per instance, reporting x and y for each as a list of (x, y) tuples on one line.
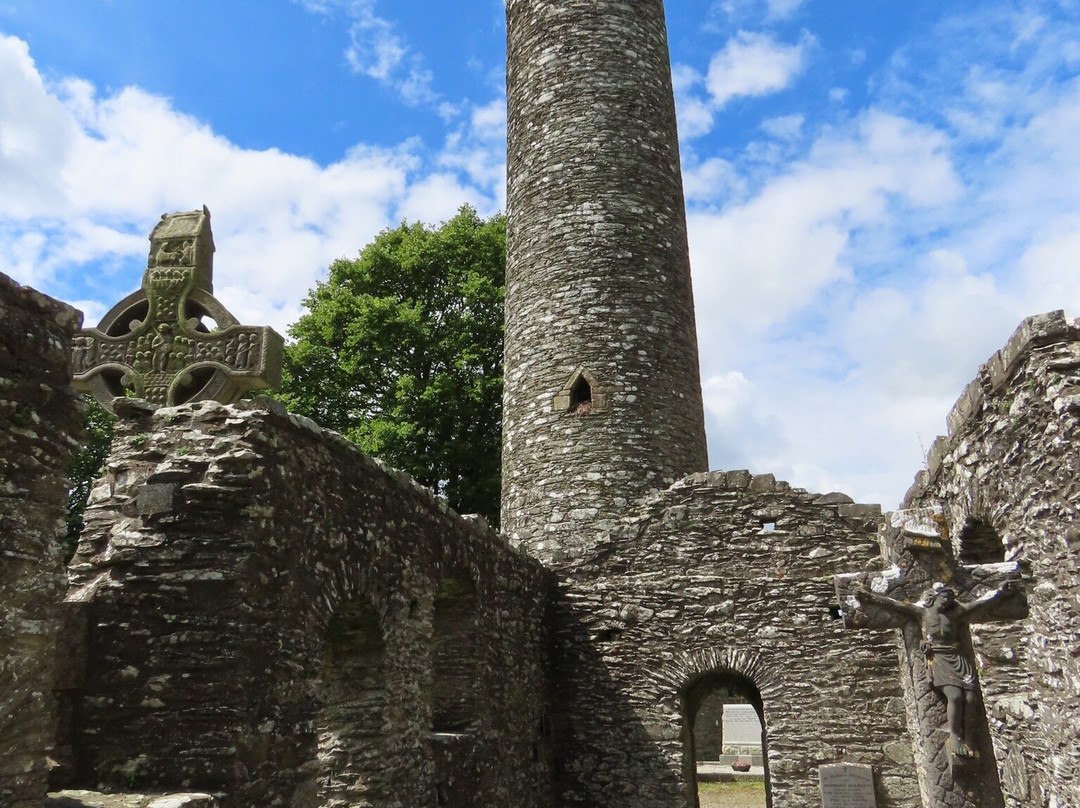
[(785, 127), (774, 9), (87, 176), (712, 180), (378, 51), (759, 261), (35, 130), (749, 65), (813, 374), (476, 149), (753, 64), (1050, 265), (848, 295), (695, 116)]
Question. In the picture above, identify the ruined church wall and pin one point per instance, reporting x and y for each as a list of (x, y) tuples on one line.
[(39, 419), (1010, 464), (274, 615), (695, 584)]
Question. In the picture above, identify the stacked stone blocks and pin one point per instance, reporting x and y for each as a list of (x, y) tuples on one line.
[(264, 602), (730, 574), (598, 276), (40, 421), (1009, 465)]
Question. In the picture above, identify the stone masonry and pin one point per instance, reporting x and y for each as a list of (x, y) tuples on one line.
[(259, 615), (602, 399), (724, 578), (39, 423), (274, 616), (1007, 476)]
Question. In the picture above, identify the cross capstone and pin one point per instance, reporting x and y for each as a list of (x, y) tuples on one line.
[(172, 342)]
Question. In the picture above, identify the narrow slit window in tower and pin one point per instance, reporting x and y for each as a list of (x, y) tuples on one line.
[(581, 396)]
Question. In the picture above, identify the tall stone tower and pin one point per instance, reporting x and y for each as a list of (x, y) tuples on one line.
[(603, 397)]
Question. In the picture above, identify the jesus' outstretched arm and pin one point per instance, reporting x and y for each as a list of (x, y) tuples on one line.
[(865, 595)]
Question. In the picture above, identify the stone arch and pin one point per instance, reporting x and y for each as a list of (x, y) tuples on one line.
[(347, 625), (455, 698), (698, 674), (581, 394), (979, 543), (351, 700)]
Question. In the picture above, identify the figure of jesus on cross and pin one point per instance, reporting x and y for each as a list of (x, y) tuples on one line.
[(920, 587), (941, 618)]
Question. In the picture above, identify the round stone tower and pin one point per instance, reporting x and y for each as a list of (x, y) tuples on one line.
[(603, 397)]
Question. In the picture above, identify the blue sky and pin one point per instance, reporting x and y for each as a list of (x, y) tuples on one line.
[(877, 192)]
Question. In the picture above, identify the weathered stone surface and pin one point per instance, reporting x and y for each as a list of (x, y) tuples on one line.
[(1009, 471), (275, 616), (39, 419), (693, 588), (93, 799), (598, 276), (171, 342), (741, 729), (260, 612)]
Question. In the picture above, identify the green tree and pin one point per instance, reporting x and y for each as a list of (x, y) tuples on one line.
[(86, 467), (401, 352)]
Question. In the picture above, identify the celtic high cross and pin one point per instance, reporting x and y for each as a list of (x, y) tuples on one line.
[(172, 342)]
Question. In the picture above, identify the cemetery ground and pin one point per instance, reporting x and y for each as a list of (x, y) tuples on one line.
[(731, 795)]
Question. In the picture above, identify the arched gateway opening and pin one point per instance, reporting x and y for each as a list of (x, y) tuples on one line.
[(351, 691), (724, 744), (454, 695)]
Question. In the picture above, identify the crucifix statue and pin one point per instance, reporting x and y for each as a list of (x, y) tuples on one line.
[(171, 341), (933, 599), (941, 618)]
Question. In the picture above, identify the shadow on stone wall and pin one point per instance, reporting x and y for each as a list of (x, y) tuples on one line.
[(276, 616)]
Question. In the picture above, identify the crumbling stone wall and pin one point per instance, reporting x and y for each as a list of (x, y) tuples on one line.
[(39, 419), (276, 616), (725, 577), (1008, 472)]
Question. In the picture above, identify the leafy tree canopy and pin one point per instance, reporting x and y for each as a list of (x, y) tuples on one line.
[(86, 466), (401, 352)]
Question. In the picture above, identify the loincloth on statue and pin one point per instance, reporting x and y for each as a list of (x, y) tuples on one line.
[(950, 667)]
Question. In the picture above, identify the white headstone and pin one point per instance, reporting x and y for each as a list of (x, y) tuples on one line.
[(741, 726), (847, 785)]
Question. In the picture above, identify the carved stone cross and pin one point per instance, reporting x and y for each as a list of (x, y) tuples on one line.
[(933, 600), (171, 342)]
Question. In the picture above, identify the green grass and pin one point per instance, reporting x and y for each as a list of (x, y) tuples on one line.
[(731, 795), (731, 788)]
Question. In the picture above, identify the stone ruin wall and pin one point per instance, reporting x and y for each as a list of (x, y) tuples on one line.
[(40, 418), (273, 615), (694, 585), (1010, 465)]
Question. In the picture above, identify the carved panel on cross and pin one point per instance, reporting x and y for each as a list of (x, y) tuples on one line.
[(172, 342)]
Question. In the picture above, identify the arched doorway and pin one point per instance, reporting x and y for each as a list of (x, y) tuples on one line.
[(351, 693), (723, 711), (454, 696)]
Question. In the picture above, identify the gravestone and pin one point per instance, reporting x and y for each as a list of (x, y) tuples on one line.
[(933, 599), (847, 785), (741, 730), (171, 342)]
